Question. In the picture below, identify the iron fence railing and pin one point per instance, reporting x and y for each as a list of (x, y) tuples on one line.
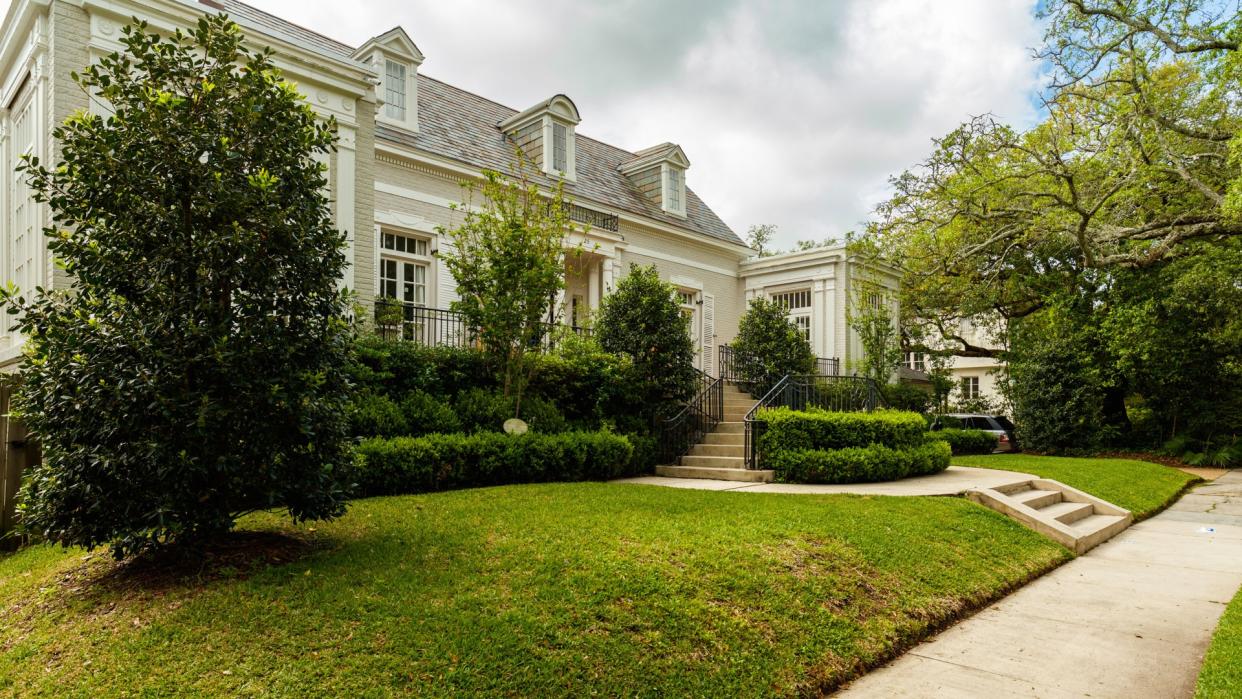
[(395, 320), (740, 368), (799, 392), (696, 419)]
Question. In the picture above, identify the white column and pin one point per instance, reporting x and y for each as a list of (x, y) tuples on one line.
[(346, 219), (593, 275), (609, 271), (819, 319)]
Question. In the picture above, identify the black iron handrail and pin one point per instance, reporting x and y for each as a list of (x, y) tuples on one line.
[(799, 392), (395, 320), (741, 368), (696, 419)]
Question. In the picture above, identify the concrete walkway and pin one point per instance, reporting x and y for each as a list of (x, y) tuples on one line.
[(953, 481), (1131, 618)]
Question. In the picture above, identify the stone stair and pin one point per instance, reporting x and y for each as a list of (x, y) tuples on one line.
[(722, 453), (1070, 517)]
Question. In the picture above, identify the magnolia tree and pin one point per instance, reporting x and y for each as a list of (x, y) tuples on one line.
[(769, 346), (193, 372), (508, 259)]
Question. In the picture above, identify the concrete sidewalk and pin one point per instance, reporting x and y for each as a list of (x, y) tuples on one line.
[(1131, 618), (954, 480)]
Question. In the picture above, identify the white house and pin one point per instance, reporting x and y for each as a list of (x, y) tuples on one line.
[(407, 140)]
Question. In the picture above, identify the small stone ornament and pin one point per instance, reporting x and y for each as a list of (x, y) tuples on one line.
[(515, 426)]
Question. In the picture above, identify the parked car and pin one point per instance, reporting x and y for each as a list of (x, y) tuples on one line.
[(998, 425)]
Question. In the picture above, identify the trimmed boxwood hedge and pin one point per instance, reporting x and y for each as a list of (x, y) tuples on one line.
[(819, 446), (405, 465), (821, 429), (965, 441), (859, 464)]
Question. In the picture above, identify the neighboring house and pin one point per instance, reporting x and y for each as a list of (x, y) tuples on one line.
[(407, 141), (976, 378)]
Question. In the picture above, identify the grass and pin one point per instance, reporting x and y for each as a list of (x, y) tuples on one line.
[(545, 590), (1221, 674), (1141, 487)]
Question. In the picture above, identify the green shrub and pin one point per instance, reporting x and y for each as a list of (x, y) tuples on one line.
[(485, 411), (769, 346), (905, 396), (373, 415), (397, 368), (965, 441), (446, 461), (788, 430), (424, 414), (859, 464)]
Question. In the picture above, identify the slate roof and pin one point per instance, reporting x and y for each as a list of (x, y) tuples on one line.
[(460, 125)]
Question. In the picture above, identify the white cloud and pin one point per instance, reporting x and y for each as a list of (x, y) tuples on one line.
[(792, 112)]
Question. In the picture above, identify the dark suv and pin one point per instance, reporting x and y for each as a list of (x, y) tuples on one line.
[(998, 425)]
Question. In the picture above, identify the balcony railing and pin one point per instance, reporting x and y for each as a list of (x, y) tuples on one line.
[(395, 320)]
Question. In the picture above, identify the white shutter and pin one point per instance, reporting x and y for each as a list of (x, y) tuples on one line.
[(709, 334), (446, 285)]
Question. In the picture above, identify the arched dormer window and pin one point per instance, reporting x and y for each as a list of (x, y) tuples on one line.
[(545, 133)]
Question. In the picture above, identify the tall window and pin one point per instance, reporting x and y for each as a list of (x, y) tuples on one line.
[(24, 238), (970, 387), (394, 90), (686, 298), (560, 148), (674, 189), (798, 303), (404, 262)]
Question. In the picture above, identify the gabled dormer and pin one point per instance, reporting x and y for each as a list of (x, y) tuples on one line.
[(659, 173), (396, 60), (545, 133)]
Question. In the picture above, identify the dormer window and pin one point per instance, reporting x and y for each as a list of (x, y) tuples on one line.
[(659, 173), (394, 90), (545, 134), (395, 60)]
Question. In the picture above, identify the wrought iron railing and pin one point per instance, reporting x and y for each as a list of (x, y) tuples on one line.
[(737, 367), (799, 392), (696, 419), (395, 320)]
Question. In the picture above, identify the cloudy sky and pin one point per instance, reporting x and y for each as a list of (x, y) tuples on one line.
[(792, 112)]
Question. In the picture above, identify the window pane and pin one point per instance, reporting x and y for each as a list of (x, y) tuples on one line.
[(560, 148), (394, 90)]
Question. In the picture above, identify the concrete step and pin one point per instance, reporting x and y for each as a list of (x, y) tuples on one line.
[(1036, 498), (1066, 515), (738, 450), (730, 427), (714, 461), (720, 474), (737, 438), (1068, 512)]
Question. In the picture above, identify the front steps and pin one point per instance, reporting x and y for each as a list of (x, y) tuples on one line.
[(722, 453), (1070, 517)]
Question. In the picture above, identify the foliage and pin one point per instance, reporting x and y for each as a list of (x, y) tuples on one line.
[(395, 368), (788, 430), (193, 372), (446, 461), (425, 414), (965, 442), (507, 257), (1141, 487), (758, 236), (769, 346), (872, 319), (1061, 404), (625, 578), (875, 462), (375, 415), (642, 320), (479, 410), (906, 396)]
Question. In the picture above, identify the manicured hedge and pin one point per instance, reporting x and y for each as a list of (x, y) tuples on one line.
[(445, 461), (789, 430), (965, 441), (858, 464)]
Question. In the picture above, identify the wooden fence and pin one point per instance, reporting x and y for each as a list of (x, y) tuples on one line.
[(16, 453)]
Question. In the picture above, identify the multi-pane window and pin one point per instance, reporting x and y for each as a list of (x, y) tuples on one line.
[(687, 299), (803, 323), (798, 303), (403, 268), (916, 361), (560, 148), (674, 189), (970, 387), (874, 299), (394, 90), (25, 238)]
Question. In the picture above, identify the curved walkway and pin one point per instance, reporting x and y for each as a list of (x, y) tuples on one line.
[(1131, 618), (953, 481)]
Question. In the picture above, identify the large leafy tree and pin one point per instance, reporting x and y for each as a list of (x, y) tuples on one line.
[(193, 372)]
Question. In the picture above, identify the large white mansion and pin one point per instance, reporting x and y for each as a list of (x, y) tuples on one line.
[(407, 141)]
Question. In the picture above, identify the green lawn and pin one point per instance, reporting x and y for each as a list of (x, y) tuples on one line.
[(562, 589), (1221, 675), (1141, 487)]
